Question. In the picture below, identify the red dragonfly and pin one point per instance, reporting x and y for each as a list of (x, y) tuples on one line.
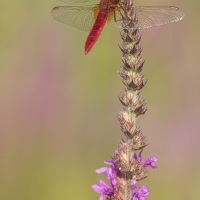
[(93, 17)]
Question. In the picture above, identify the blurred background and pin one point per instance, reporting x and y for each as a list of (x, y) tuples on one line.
[(58, 107)]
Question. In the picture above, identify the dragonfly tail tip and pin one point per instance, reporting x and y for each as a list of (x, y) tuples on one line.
[(86, 51)]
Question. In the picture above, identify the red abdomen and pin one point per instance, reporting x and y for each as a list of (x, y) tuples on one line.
[(96, 30)]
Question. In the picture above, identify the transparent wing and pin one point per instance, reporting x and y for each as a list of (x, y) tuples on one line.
[(157, 15), (149, 16), (81, 17)]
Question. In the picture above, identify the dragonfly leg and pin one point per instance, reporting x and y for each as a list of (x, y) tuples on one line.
[(115, 18), (119, 10)]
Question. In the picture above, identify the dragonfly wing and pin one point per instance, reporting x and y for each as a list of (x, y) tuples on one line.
[(148, 16), (81, 17)]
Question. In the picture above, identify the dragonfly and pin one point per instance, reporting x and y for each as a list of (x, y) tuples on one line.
[(92, 15)]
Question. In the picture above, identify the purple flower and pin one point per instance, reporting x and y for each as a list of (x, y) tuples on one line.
[(139, 193), (148, 162), (151, 162), (113, 165), (103, 189), (110, 173)]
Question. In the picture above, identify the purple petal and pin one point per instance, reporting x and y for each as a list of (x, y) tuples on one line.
[(103, 189), (111, 163), (139, 157), (135, 156), (111, 177), (141, 193), (151, 162), (102, 170), (110, 173)]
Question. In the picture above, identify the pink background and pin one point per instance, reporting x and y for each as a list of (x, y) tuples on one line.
[(58, 107)]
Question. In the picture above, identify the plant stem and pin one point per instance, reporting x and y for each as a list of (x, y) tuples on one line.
[(133, 80)]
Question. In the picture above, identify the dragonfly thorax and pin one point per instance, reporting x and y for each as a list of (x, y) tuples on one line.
[(107, 5)]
